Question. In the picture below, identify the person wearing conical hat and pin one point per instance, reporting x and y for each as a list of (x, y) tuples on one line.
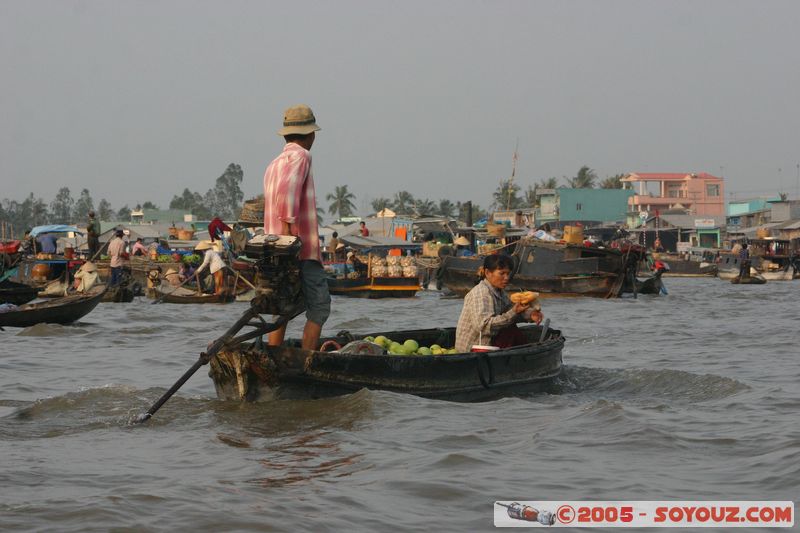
[(214, 262), (462, 246), (172, 277), (290, 208), (85, 277)]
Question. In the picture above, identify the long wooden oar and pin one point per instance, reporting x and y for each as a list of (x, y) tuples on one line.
[(215, 347)]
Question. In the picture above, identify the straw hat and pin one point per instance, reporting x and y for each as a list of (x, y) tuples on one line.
[(204, 245), (298, 120), (340, 245), (88, 266), (350, 254), (461, 241), (171, 272)]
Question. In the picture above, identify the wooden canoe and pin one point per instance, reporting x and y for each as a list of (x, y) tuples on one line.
[(15, 293), (64, 310), (186, 296), (249, 371)]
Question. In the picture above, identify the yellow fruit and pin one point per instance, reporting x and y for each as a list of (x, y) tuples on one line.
[(523, 298)]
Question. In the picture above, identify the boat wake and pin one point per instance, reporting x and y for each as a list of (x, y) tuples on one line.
[(52, 330), (674, 385)]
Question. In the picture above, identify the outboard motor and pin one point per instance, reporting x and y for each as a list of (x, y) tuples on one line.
[(278, 286)]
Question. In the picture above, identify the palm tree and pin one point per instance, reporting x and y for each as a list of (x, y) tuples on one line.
[(584, 180), (341, 202), (424, 208), (530, 196), (379, 204), (446, 208), (612, 182), (403, 201), (505, 197), (320, 214), (549, 183)]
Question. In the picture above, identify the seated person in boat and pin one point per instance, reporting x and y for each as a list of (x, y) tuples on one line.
[(85, 277), (357, 264), (489, 316), (173, 277), (139, 248), (213, 261), (462, 245)]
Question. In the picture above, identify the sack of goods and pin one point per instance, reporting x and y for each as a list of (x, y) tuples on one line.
[(378, 262), (406, 262), (378, 271), (352, 275), (526, 298), (393, 260), (395, 271), (410, 272)]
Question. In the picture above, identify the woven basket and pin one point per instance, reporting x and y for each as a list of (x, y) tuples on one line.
[(496, 230), (252, 212), (185, 234)]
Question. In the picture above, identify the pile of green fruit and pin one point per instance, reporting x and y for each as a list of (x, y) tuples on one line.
[(409, 347)]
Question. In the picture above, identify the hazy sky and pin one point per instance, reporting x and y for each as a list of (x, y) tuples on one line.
[(137, 100)]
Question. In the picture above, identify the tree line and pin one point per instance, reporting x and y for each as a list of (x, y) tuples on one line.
[(223, 200), (508, 195)]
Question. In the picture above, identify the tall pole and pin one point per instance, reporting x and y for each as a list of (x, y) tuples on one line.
[(513, 173), (797, 189)]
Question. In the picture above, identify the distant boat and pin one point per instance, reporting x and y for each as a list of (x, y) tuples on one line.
[(383, 275), (558, 269)]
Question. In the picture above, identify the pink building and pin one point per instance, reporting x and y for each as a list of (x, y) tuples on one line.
[(702, 194)]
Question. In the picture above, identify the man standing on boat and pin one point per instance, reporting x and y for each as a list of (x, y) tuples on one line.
[(92, 236), (116, 251), (290, 208), (744, 262)]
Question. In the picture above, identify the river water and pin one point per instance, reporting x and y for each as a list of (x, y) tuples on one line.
[(693, 396)]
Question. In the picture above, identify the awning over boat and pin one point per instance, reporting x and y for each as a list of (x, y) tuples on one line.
[(378, 242), (54, 228)]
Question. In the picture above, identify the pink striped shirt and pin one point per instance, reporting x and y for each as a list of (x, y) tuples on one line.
[(289, 197)]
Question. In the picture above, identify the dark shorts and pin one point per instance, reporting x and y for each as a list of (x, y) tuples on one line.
[(315, 291)]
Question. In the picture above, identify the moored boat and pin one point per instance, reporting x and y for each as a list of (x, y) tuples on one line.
[(555, 269), (16, 293), (180, 295), (64, 310), (695, 263), (383, 275), (249, 371)]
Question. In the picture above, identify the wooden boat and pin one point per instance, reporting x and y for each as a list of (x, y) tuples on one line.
[(375, 281), (64, 310), (181, 295), (120, 294), (374, 287), (555, 269), (752, 279), (774, 259), (695, 263), (249, 371), (16, 293)]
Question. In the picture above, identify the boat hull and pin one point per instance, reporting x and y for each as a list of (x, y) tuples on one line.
[(374, 287), (173, 298), (550, 269), (250, 372), (16, 293), (64, 310)]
